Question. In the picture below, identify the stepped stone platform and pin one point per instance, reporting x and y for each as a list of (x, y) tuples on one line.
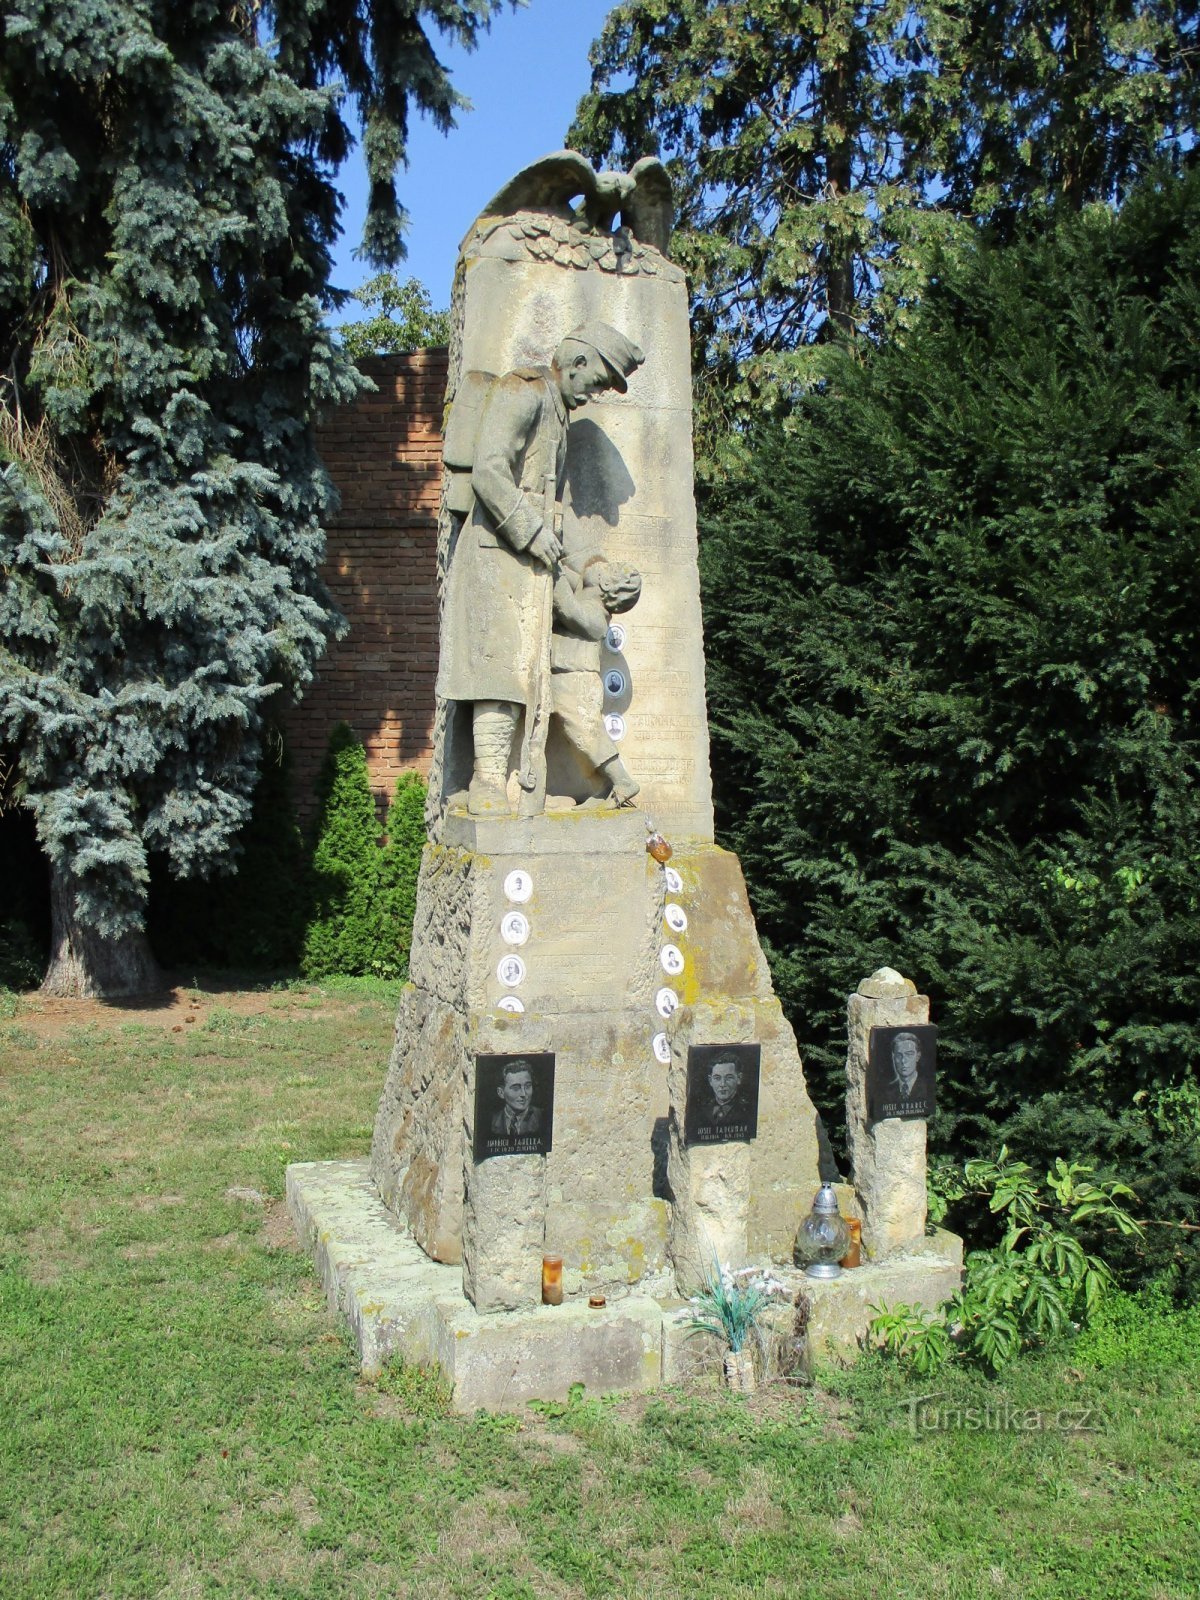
[(401, 1305)]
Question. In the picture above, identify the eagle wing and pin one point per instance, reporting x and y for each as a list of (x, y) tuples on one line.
[(548, 184), (649, 210)]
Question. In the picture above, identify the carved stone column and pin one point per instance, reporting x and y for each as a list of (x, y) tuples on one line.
[(887, 1159)]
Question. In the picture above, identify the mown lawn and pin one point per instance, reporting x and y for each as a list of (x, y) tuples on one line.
[(181, 1419)]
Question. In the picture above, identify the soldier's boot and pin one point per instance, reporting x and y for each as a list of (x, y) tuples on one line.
[(623, 786), (493, 723)]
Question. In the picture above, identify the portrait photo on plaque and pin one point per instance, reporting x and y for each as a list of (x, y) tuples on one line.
[(901, 1072), (722, 1093), (514, 1105)]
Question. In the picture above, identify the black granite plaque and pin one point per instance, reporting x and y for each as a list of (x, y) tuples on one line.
[(722, 1093), (901, 1072), (514, 1105)]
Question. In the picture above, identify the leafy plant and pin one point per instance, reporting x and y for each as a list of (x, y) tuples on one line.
[(403, 319), (1036, 1283), (1145, 1329), (731, 1304), (921, 1338), (945, 1183)]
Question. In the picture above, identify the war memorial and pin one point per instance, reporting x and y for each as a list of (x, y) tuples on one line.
[(594, 1099)]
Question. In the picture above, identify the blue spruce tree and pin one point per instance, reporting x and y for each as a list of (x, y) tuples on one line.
[(167, 207)]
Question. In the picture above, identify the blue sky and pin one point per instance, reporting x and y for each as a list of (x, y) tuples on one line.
[(523, 82)]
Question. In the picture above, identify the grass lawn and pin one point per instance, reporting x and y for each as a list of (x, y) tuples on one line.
[(181, 1419)]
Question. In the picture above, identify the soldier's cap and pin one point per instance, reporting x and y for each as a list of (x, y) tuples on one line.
[(619, 354)]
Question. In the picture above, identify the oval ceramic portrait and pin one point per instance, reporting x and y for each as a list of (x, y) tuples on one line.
[(614, 682), (514, 927), (674, 881), (509, 1002), (662, 1049), (665, 1002), (511, 971), (518, 886), (671, 960), (676, 918), (615, 726), (615, 638)]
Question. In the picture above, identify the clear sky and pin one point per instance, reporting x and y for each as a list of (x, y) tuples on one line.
[(523, 82)]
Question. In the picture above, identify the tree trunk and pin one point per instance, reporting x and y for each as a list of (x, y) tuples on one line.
[(85, 964), (839, 171)]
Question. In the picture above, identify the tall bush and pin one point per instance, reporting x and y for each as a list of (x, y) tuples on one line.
[(362, 887), (955, 672)]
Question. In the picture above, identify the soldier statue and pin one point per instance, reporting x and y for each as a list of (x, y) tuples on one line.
[(498, 619)]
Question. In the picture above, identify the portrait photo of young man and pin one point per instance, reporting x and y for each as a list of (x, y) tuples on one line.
[(514, 1104)]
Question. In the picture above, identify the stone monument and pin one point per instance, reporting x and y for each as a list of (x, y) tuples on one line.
[(589, 1058), (542, 920)]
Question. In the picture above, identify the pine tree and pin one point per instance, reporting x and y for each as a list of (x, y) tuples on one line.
[(166, 215)]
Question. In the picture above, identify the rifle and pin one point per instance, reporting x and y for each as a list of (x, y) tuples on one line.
[(532, 776)]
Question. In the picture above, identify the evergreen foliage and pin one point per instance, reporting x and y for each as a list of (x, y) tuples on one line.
[(362, 891), (398, 871), (250, 916), (166, 216), (824, 153), (955, 675), (340, 932), (403, 320)]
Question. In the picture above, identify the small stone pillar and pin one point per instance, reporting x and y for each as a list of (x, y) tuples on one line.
[(887, 1159), (504, 1232), (710, 1183)]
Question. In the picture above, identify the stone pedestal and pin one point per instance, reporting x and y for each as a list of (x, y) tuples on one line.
[(401, 1305), (887, 1158), (593, 975), (504, 1232), (741, 1200)]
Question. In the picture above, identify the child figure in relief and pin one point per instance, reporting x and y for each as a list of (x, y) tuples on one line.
[(583, 606)]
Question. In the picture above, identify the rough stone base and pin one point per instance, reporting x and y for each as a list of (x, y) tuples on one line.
[(597, 927), (401, 1304)]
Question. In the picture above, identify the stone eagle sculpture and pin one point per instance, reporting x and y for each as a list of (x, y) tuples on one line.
[(641, 196)]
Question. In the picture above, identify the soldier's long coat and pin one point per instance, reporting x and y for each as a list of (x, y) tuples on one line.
[(492, 619)]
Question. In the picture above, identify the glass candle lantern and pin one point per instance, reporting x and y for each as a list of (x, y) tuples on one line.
[(552, 1293), (823, 1237)]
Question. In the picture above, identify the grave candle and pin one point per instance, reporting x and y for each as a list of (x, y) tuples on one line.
[(552, 1292)]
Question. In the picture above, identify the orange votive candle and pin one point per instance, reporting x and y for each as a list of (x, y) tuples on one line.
[(552, 1280)]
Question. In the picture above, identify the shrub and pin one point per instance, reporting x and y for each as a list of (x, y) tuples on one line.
[(954, 672), (1037, 1282), (399, 867), (363, 889), (340, 936)]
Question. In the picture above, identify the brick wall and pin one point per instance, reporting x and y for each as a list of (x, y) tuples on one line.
[(384, 454)]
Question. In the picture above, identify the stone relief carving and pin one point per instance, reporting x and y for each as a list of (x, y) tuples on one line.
[(505, 449)]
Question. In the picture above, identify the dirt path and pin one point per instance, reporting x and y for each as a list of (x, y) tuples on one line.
[(184, 1004)]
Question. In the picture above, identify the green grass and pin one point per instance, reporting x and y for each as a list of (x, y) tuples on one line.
[(182, 1419)]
